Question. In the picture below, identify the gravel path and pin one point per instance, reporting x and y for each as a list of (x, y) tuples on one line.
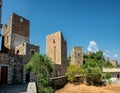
[(13, 88)]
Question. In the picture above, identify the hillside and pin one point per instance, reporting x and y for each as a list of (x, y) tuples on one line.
[(82, 88)]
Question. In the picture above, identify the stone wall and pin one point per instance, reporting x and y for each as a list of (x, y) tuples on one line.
[(59, 81), (56, 49), (77, 55), (15, 64), (53, 47), (31, 49), (15, 33)]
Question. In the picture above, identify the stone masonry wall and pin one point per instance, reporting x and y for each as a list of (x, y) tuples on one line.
[(53, 47), (15, 33), (77, 56), (15, 64), (56, 49)]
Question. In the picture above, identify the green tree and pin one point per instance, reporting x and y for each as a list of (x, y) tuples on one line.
[(73, 70), (108, 65), (41, 66), (68, 60), (93, 73), (99, 55)]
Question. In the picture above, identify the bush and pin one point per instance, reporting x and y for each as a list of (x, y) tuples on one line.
[(41, 66), (73, 70), (93, 74)]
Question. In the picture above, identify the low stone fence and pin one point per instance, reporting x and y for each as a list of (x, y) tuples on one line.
[(59, 81), (32, 88)]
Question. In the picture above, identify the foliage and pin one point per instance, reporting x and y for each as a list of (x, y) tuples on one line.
[(94, 62), (107, 65), (93, 73), (42, 67), (68, 60), (108, 76), (73, 70)]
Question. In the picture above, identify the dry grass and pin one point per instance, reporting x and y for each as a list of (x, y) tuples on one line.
[(82, 88)]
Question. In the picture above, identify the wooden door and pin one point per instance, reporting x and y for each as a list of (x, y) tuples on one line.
[(4, 74)]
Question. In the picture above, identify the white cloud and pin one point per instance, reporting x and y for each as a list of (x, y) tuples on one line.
[(115, 56), (108, 51), (92, 47)]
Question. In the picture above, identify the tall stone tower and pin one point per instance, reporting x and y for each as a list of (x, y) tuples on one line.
[(77, 55), (0, 13), (56, 49), (0, 19), (15, 33)]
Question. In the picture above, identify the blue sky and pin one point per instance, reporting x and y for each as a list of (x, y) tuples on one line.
[(92, 24)]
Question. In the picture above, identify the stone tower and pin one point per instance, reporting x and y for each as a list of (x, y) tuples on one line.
[(15, 33), (56, 49), (0, 13), (77, 55)]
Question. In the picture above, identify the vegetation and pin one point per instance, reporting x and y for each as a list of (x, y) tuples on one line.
[(94, 62), (91, 69), (42, 67), (73, 70), (68, 60), (93, 73)]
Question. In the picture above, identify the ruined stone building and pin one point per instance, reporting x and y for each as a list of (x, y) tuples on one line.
[(77, 55), (16, 50), (114, 63), (56, 49)]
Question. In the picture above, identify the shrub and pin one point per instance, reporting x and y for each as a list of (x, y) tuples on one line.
[(73, 70)]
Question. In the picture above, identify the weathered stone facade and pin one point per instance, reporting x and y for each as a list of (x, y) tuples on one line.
[(56, 49), (114, 63), (15, 72), (26, 49), (16, 51), (77, 55), (0, 13), (17, 29)]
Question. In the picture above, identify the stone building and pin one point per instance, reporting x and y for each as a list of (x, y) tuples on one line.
[(115, 74), (56, 49), (107, 59), (16, 50), (0, 13), (114, 63), (77, 55), (18, 30)]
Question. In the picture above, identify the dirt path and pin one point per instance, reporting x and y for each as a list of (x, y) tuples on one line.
[(82, 88)]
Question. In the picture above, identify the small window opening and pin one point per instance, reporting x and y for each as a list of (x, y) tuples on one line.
[(53, 40), (21, 20), (32, 53), (17, 52)]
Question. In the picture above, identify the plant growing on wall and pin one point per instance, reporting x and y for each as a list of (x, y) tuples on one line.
[(41, 66)]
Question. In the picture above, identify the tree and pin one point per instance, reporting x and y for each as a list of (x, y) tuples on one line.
[(93, 73), (73, 70), (68, 60), (99, 55), (107, 65), (41, 66)]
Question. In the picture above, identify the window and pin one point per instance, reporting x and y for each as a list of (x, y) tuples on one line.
[(32, 52), (53, 40), (54, 53), (21, 20), (17, 52), (78, 54)]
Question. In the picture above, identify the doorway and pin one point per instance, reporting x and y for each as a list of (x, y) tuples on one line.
[(4, 74)]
